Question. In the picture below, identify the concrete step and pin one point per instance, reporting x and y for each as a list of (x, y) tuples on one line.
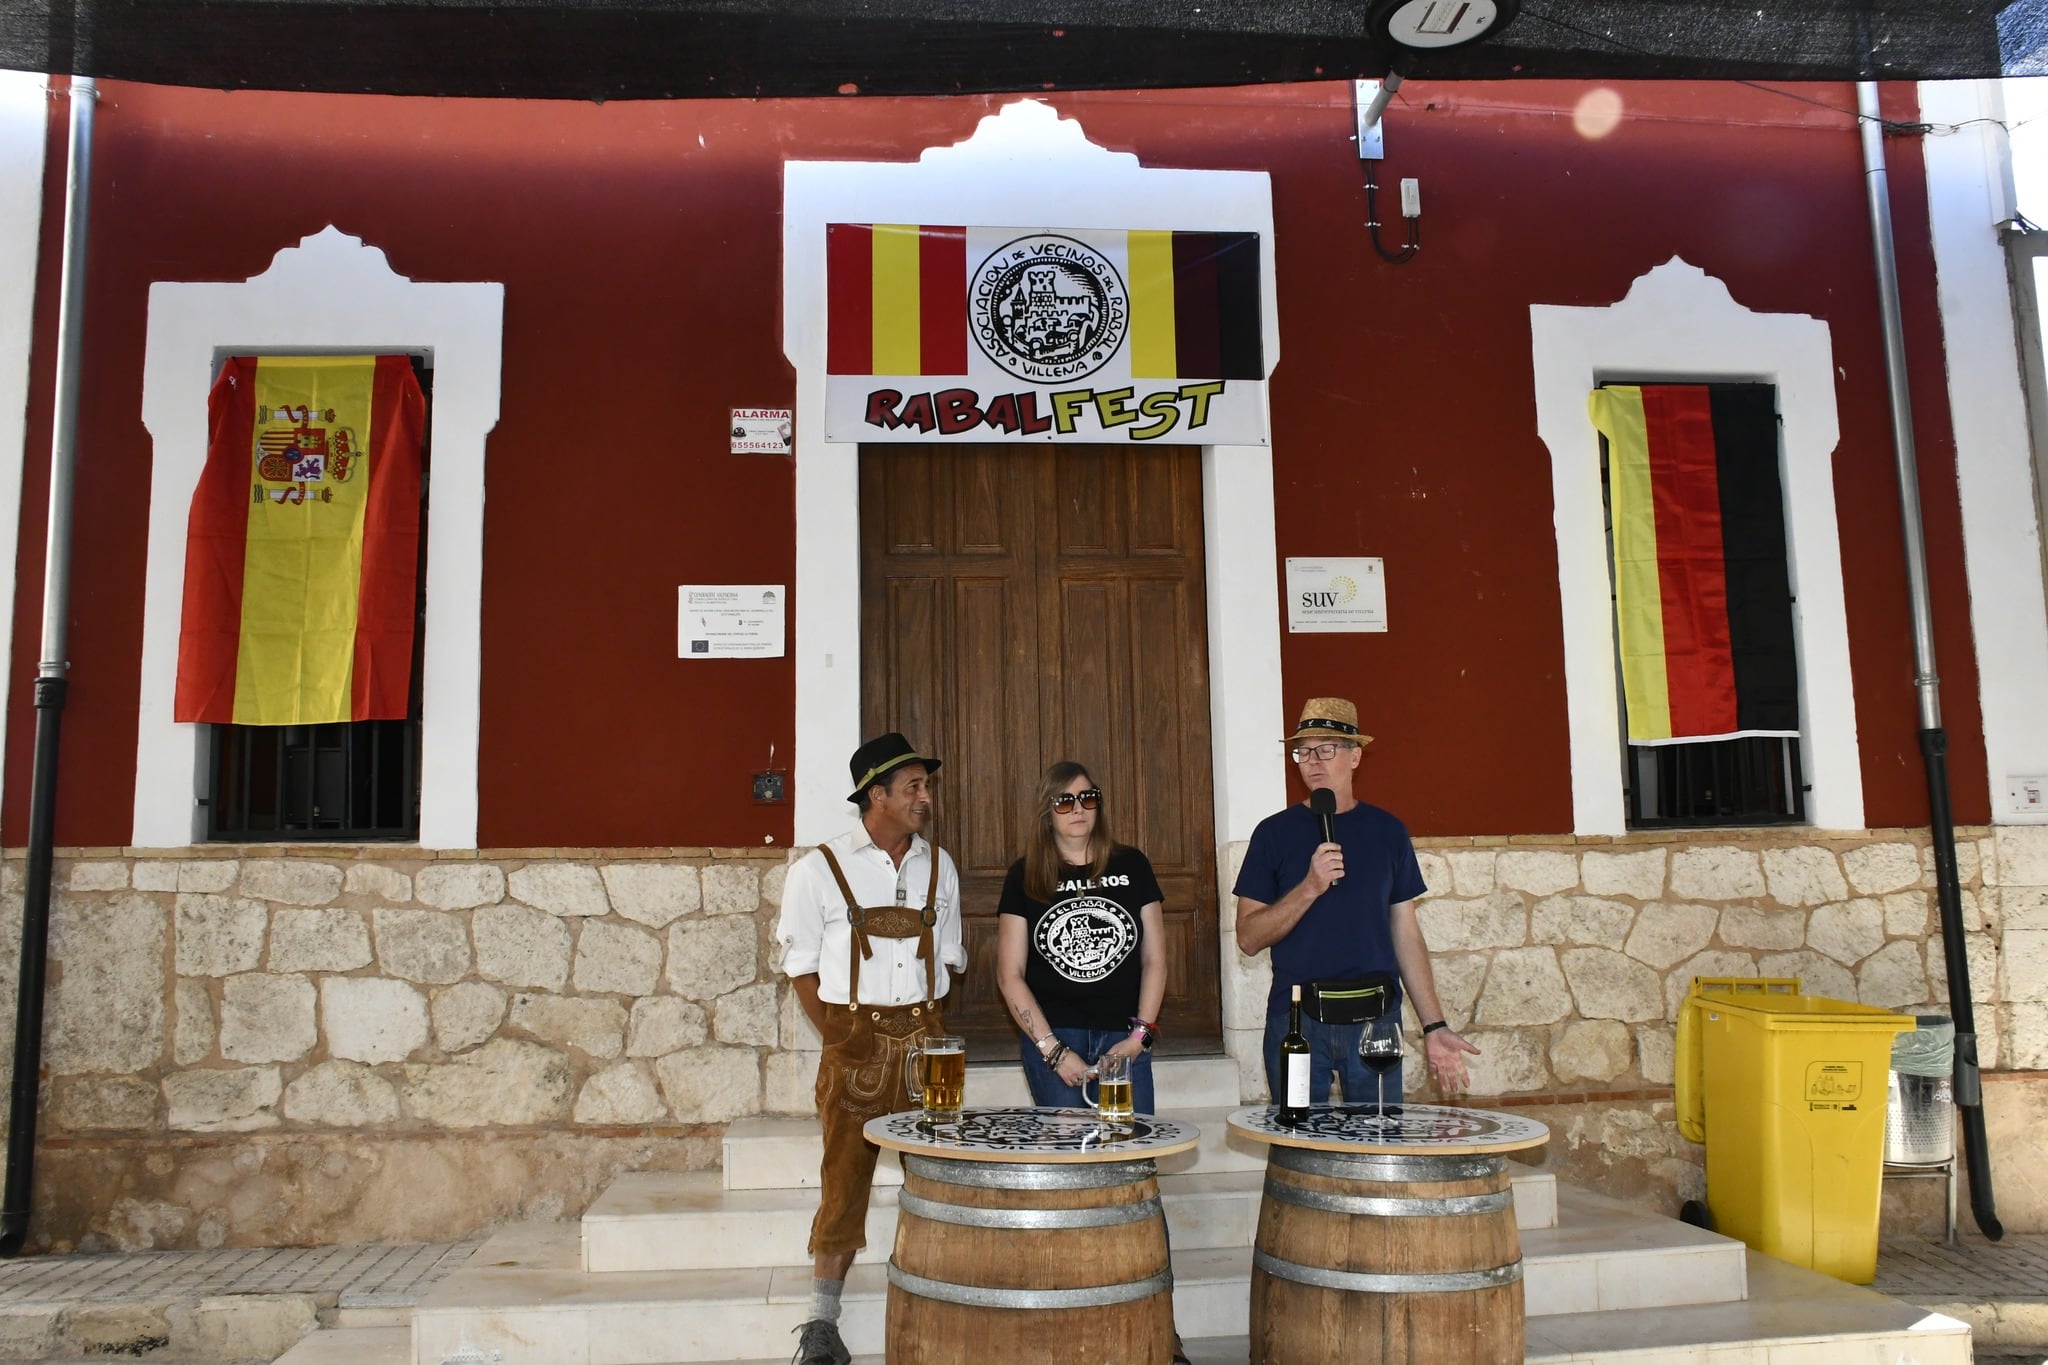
[(690, 1221), (1792, 1316), (526, 1293), (352, 1346)]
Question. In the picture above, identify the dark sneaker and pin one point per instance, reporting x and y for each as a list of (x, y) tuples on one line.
[(819, 1344)]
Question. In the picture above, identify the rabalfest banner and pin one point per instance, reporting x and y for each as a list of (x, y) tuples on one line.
[(302, 558), (1702, 597), (989, 334)]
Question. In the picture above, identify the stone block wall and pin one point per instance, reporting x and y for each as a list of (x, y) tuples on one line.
[(509, 1030), (265, 1045), (1565, 961)]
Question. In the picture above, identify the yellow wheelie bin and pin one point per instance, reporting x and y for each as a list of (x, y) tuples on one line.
[(1787, 1091)]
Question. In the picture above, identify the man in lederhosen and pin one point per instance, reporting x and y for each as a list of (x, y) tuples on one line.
[(870, 928)]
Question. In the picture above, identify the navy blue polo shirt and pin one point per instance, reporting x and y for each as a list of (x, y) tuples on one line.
[(1349, 930)]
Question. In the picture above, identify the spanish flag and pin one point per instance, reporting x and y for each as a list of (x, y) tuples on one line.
[(897, 296), (302, 556), (1703, 602)]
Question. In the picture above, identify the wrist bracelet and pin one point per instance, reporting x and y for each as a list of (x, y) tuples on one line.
[(1040, 1043), (1428, 1029)]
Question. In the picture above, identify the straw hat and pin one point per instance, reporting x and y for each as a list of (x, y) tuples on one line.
[(1328, 718)]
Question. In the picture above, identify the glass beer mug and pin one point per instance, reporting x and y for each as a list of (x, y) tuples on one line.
[(1113, 1100), (935, 1074)]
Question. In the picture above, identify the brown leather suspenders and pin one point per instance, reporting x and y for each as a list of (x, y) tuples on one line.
[(889, 921)]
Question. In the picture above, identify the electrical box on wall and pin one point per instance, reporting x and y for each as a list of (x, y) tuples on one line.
[(768, 788), (2026, 796)]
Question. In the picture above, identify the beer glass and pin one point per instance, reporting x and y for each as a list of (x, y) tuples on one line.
[(935, 1074), (1112, 1103)]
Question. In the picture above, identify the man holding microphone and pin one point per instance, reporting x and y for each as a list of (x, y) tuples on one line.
[(1330, 886)]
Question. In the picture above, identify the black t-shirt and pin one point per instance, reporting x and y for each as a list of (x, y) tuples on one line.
[(1081, 957)]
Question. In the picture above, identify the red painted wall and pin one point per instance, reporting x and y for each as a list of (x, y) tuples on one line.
[(639, 245)]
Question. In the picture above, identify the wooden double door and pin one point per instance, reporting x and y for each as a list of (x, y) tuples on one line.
[(1026, 604)]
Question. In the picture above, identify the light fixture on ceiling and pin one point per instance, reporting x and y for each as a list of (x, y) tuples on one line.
[(1435, 25)]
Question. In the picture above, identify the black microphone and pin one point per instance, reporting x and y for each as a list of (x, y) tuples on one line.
[(1323, 802)]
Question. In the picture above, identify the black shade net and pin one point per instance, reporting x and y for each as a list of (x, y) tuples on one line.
[(661, 49)]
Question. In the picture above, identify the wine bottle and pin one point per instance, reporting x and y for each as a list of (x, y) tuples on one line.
[(1294, 1089)]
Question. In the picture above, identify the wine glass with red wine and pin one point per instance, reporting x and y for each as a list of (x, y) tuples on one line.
[(1379, 1047)]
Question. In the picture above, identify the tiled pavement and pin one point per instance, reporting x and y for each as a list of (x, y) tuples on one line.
[(227, 1307), (339, 1277), (1999, 1288)]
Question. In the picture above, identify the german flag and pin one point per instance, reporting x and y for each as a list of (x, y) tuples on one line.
[(302, 549), (1703, 602), (1195, 306)]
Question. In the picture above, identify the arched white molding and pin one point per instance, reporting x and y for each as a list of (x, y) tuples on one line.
[(1024, 166), (24, 132), (329, 293), (1969, 189), (1680, 325)]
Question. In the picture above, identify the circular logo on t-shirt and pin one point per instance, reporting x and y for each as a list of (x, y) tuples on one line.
[(1086, 938)]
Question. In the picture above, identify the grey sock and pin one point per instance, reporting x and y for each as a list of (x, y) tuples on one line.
[(825, 1299)]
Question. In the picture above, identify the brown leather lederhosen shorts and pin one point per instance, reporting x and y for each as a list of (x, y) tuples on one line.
[(860, 1076)]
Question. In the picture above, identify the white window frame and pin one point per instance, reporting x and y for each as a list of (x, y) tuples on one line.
[(330, 293), (1678, 324)]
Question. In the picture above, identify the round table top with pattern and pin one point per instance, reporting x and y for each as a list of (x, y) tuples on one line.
[(1407, 1130), (1047, 1136)]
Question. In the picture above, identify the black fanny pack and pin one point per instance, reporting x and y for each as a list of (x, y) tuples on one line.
[(1349, 1002)]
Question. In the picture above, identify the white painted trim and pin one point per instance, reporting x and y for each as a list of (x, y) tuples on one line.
[(329, 293), (1969, 189), (1024, 167), (24, 135), (1678, 324)]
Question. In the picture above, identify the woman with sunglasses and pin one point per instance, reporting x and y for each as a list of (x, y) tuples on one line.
[(1081, 945)]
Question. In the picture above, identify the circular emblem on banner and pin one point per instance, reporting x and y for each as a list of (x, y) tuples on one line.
[(1048, 308), (1086, 938)]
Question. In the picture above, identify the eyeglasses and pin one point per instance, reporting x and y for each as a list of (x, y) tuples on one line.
[(1065, 802), (1304, 752)]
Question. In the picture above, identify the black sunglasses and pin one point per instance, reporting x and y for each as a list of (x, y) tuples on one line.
[(1065, 802)]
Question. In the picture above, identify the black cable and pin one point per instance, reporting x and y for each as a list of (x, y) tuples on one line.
[(1372, 223)]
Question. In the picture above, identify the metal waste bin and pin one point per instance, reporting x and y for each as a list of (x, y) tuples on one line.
[(1786, 1091), (1920, 1112)]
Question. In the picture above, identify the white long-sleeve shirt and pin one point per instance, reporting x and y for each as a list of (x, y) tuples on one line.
[(816, 936)]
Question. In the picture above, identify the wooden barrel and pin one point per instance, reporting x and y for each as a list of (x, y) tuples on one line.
[(985, 1249), (1386, 1258)]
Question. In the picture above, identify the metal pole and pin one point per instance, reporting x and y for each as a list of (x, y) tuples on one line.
[(1969, 1089), (50, 685)]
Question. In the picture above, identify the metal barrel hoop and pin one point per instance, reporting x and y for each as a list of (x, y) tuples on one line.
[(1379, 1206), (980, 1296), (998, 1175), (1387, 1169), (973, 1216), (1362, 1282)]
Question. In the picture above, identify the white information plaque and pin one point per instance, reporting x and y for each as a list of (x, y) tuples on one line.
[(1336, 596), (730, 621)]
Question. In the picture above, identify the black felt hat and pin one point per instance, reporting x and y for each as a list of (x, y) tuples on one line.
[(881, 756)]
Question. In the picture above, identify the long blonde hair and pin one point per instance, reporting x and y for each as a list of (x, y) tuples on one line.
[(1042, 861)]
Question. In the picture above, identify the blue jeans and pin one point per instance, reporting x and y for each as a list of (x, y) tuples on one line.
[(1049, 1091), (1331, 1048)]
